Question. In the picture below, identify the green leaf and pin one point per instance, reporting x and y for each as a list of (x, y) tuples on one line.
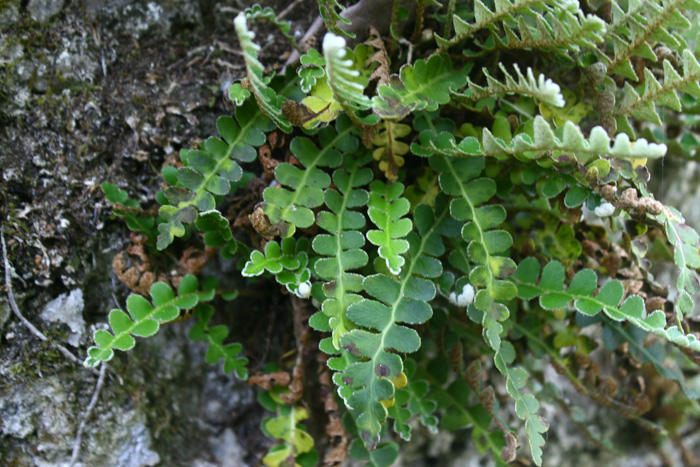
[(144, 318)]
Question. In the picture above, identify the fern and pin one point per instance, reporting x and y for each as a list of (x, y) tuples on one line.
[(551, 293), (341, 247), (288, 262), (330, 12), (656, 94), (210, 170), (268, 101), (543, 142), (342, 79), (541, 89), (386, 210), (422, 86), (512, 173), (288, 210), (458, 178), (643, 25), (390, 150), (144, 318), (215, 336), (394, 301)]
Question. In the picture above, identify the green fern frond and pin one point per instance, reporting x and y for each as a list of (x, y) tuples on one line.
[(288, 262), (290, 208), (566, 141), (144, 319), (542, 89), (341, 247), (215, 337), (268, 101), (526, 405), (645, 24), (552, 295), (386, 210), (487, 19), (486, 246), (257, 12), (422, 86), (655, 94), (394, 300), (210, 170), (343, 80), (330, 12)]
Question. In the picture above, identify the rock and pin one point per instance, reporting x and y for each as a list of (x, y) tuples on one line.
[(43, 10), (227, 450), (67, 309)]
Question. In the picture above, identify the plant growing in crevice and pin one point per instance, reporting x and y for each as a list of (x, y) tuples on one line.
[(455, 224)]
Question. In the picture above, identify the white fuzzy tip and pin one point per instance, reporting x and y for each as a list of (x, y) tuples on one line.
[(304, 290), (334, 44), (604, 210), (467, 296)]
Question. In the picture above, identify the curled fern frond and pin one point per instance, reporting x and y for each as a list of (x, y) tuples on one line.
[(570, 142), (343, 80), (144, 318), (268, 101), (542, 89)]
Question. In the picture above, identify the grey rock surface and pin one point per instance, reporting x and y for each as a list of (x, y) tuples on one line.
[(67, 309)]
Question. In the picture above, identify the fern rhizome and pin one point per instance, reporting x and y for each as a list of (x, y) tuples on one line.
[(446, 215)]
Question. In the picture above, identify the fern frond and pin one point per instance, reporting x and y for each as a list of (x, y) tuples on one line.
[(646, 23), (288, 262), (655, 94), (390, 149), (330, 13), (567, 141), (268, 101), (394, 301), (311, 70), (552, 295), (215, 336), (343, 80), (341, 248), (290, 208), (129, 209), (486, 246), (422, 86), (285, 426), (210, 170), (487, 19), (526, 405), (386, 210), (257, 12), (686, 258), (144, 319), (542, 89)]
